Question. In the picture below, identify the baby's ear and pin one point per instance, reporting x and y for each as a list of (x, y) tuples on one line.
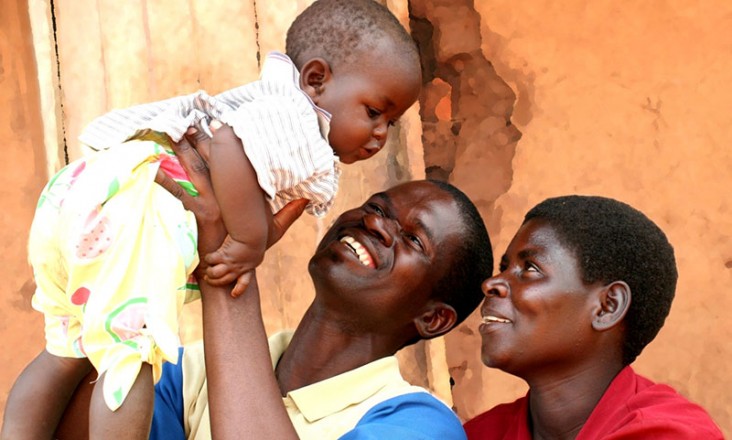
[(314, 75)]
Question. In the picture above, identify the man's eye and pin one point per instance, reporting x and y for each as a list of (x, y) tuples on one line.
[(414, 239), (372, 112), (376, 209)]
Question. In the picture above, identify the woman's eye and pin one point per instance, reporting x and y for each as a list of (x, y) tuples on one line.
[(530, 267), (392, 123)]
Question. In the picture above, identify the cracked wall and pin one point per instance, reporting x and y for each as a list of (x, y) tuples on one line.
[(465, 109), (522, 101), (23, 174)]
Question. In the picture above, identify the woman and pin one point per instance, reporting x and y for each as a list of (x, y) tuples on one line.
[(584, 285)]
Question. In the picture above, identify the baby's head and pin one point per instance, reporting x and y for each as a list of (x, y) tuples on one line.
[(358, 63)]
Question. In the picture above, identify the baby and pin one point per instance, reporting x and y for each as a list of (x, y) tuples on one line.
[(113, 253)]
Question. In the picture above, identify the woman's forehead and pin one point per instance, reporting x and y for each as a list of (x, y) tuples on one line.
[(539, 238)]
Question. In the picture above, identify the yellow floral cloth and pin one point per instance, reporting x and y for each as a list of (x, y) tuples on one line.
[(112, 255)]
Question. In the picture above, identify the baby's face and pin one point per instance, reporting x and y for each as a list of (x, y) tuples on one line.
[(365, 101)]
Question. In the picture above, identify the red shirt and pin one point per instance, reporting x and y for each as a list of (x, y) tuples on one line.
[(633, 407)]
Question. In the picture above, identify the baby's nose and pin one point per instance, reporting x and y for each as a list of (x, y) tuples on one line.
[(381, 130)]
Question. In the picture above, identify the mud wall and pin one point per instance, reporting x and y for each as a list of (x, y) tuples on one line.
[(522, 100)]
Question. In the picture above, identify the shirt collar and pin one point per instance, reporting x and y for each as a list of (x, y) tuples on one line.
[(279, 67), (327, 397)]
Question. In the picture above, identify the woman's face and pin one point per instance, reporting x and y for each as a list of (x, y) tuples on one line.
[(537, 311)]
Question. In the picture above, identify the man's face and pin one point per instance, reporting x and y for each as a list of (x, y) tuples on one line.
[(537, 311), (364, 102), (379, 263)]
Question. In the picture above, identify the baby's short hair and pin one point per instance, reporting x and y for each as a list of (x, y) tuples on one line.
[(339, 31)]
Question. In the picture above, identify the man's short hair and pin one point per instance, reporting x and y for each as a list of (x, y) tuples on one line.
[(339, 31), (473, 262), (613, 241)]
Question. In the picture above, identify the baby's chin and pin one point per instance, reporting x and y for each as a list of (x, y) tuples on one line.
[(348, 158)]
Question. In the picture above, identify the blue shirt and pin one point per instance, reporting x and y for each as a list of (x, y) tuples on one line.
[(370, 402)]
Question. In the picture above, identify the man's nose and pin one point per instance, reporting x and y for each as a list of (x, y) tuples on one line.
[(381, 227)]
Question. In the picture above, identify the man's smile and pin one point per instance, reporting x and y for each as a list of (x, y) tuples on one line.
[(360, 250)]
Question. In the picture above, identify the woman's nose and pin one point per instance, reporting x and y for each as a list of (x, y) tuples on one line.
[(495, 286)]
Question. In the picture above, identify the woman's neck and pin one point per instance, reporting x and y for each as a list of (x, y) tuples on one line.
[(560, 405)]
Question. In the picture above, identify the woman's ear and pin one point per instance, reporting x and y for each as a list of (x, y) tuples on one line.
[(438, 319), (614, 302), (314, 75)]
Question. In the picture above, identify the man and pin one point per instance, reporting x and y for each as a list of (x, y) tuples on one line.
[(404, 266)]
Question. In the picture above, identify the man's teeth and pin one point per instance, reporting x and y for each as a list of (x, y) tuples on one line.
[(361, 252), (489, 319)]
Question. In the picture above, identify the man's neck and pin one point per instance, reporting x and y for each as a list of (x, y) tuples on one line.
[(321, 349)]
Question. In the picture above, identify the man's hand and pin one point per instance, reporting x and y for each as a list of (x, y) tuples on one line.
[(211, 230), (283, 219)]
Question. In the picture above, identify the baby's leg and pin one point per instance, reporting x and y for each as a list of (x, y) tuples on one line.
[(74, 423), (40, 394), (131, 420)]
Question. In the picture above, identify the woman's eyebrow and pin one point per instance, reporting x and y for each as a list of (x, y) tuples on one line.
[(529, 253)]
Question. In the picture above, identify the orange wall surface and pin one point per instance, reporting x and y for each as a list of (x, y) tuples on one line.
[(523, 100), (23, 175)]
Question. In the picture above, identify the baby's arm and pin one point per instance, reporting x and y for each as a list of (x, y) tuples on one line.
[(244, 210)]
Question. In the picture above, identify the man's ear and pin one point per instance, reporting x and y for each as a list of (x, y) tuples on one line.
[(614, 302), (314, 75), (438, 319)]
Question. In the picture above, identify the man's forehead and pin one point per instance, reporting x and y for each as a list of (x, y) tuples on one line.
[(429, 207), (416, 196), (415, 188)]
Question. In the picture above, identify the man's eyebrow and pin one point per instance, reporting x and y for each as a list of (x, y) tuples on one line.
[(384, 197), (427, 231)]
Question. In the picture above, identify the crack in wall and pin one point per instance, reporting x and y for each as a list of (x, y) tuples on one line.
[(465, 106), (62, 122), (467, 136), (256, 35)]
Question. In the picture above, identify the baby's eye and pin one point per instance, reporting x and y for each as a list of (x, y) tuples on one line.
[(392, 123), (372, 112)]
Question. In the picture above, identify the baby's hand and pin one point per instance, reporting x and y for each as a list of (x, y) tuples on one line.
[(233, 261)]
